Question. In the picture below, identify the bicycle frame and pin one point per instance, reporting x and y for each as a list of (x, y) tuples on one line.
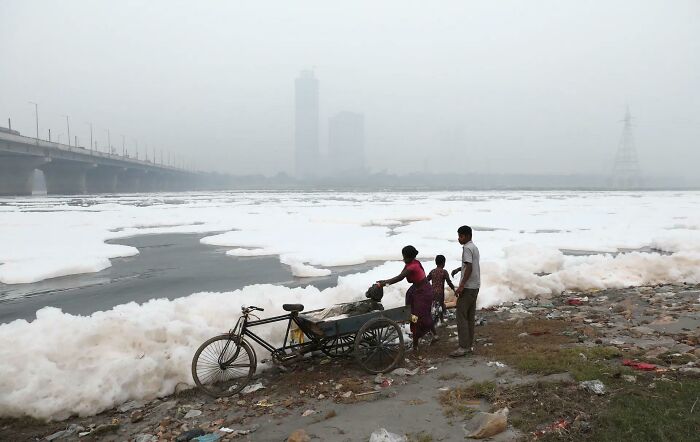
[(244, 324)]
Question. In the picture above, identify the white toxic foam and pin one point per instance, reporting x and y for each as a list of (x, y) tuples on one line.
[(60, 364)]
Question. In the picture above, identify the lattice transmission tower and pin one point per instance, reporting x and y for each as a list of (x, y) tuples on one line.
[(626, 172)]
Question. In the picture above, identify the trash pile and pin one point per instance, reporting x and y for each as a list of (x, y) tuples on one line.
[(661, 323)]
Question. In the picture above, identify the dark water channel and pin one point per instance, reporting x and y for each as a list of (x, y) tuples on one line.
[(167, 266)]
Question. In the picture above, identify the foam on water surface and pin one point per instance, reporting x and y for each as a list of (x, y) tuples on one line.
[(60, 364)]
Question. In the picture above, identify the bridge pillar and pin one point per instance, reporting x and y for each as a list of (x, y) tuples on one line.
[(17, 174), (102, 179), (66, 178), (152, 181), (129, 181)]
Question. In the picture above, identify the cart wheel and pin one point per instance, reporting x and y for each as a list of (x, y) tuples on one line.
[(379, 345), (338, 346), (223, 365)]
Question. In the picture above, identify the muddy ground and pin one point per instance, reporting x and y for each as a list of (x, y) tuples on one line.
[(530, 356)]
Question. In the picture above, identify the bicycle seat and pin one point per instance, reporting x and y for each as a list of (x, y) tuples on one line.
[(292, 307)]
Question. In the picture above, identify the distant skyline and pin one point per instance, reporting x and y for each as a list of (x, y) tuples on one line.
[(454, 86)]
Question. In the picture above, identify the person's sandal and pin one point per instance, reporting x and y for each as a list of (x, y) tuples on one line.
[(458, 353)]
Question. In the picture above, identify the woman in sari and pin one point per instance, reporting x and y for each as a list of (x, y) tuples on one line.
[(419, 296)]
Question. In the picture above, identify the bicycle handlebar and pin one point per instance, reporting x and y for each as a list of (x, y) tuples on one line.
[(252, 308)]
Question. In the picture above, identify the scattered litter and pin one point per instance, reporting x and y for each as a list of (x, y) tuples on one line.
[(383, 381), (192, 413), (382, 435), (210, 437), (308, 413), (576, 301), (496, 364), (594, 386), (485, 425), (190, 434), (643, 366), (617, 342), (629, 378), (347, 394), (226, 430), (522, 335), (431, 368), (551, 428), (252, 388), (321, 396), (366, 393), (72, 429), (401, 371), (444, 389), (264, 403), (518, 310)]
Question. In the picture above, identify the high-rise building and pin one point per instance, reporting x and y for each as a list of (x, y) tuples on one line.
[(306, 149), (346, 144)]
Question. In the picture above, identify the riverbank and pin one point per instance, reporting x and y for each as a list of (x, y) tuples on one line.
[(530, 356)]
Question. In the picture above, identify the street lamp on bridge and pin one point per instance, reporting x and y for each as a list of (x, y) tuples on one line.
[(91, 145), (68, 128), (36, 115)]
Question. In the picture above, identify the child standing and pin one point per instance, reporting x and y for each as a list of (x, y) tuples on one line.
[(438, 277)]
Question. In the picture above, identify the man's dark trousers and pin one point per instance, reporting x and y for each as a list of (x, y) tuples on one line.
[(466, 313)]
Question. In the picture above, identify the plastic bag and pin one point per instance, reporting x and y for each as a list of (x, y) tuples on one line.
[(382, 435), (485, 425)]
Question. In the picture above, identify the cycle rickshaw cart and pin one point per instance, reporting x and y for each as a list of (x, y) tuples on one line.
[(225, 364)]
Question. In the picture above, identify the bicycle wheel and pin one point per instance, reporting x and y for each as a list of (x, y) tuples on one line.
[(229, 376), (379, 345), (338, 346)]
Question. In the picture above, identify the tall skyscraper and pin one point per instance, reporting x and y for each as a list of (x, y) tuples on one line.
[(346, 144), (306, 150)]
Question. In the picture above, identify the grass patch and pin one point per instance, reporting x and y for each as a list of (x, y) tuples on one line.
[(645, 414), (546, 349), (583, 363), (671, 357)]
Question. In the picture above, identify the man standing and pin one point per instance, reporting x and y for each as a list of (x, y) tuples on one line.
[(467, 291)]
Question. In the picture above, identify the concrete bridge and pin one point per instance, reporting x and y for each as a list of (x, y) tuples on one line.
[(74, 170)]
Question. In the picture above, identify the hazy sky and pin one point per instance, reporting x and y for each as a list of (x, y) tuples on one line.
[(494, 86)]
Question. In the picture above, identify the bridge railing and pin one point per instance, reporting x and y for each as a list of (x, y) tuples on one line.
[(21, 139)]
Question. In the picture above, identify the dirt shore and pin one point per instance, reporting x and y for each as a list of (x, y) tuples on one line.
[(531, 357)]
